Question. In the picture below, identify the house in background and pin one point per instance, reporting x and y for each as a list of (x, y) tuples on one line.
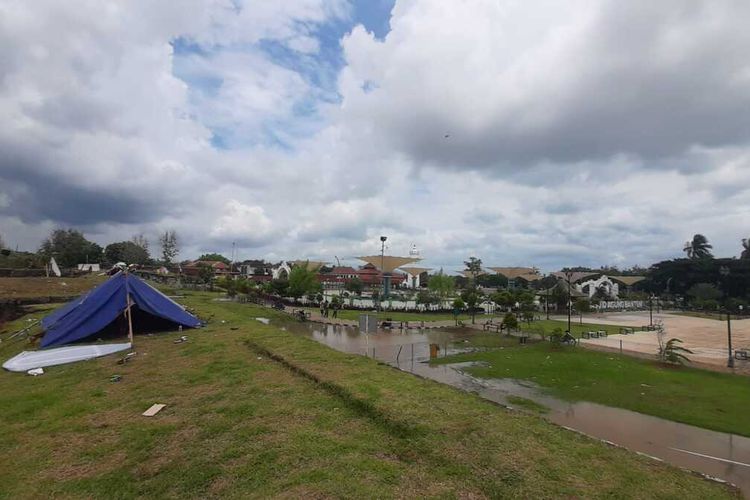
[(194, 268)]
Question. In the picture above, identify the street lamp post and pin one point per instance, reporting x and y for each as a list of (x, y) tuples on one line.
[(382, 264), (651, 310), (730, 359)]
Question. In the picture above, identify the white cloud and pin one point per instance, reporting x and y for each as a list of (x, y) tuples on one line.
[(246, 224), (590, 132)]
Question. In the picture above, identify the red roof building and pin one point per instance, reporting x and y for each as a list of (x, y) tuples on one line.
[(193, 269), (368, 274)]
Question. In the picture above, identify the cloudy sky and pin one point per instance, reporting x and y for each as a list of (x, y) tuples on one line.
[(540, 133)]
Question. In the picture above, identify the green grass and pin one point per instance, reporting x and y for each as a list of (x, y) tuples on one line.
[(402, 316), (703, 398), (548, 325), (258, 412)]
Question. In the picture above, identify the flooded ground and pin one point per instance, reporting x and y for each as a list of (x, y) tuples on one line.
[(720, 455)]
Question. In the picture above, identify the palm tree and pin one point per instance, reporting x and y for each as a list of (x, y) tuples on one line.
[(745, 249), (698, 248)]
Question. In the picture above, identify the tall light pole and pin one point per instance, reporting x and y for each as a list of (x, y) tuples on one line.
[(382, 264), (724, 271), (651, 310), (730, 359)]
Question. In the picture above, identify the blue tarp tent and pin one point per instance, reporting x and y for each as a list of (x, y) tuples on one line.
[(99, 310)]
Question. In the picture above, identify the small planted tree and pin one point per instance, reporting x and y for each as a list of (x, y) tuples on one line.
[(510, 322), (472, 297), (670, 351), (674, 353), (458, 306), (557, 336)]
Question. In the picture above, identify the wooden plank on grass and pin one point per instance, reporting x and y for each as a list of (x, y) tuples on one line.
[(156, 408)]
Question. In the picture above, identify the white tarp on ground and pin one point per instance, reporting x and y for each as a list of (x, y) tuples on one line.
[(28, 360)]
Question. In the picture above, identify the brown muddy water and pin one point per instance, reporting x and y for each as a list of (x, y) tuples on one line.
[(716, 454)]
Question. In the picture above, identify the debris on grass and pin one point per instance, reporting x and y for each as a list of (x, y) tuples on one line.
[(181, 339), (36, 372), (155, 408), (125, 359), (115, 378)]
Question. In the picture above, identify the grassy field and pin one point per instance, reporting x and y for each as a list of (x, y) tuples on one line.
[(402, 316), (703, 398), (25, 288), (254, 411), (548, 325)]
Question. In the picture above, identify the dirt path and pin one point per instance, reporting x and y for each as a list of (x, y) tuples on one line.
[(707, 338)]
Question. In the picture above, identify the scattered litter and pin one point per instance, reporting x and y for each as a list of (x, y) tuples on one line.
[(155, 408), (181, 340), (179, 328), (127, 358), (115, 378), (222, 321), (265, 321), (259, 358), (645, 385), (36, 371)]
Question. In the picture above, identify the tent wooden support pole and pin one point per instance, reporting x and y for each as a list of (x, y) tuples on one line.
[(130, 323)]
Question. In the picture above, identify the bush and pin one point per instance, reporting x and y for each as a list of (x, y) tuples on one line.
[(557, 336)]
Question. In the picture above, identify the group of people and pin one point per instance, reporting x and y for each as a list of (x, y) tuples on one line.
[(333, 307)]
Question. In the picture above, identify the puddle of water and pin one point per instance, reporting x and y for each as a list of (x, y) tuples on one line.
[(721, 455)]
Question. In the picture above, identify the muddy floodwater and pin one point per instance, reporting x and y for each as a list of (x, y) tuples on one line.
[(717, 454)]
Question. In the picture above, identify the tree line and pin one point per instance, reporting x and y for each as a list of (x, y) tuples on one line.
[(70, 247)]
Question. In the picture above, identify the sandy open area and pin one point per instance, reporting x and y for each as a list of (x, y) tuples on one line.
[(707, 338)]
